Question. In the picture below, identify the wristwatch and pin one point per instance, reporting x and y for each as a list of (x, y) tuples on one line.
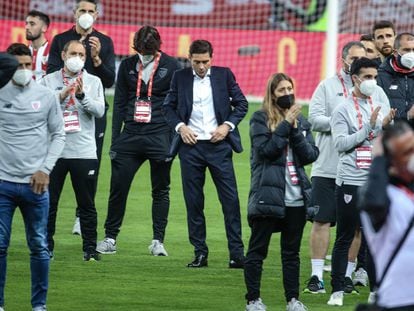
[(80, 96)]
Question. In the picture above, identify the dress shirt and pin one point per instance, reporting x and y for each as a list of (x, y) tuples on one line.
[(203, 119)]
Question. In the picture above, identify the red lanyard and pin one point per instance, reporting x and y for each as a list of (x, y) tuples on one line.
[(341, 79), (71, 101), (359, 115), (141, 69)]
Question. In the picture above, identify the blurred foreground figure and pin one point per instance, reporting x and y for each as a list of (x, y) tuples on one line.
[(388, 216)]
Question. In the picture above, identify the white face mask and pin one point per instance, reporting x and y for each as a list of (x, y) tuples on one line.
[(367, 87), (74, 64), (348, 66), (22, 76), (145, 59), (85, 21), (410, 165), (407, 60)]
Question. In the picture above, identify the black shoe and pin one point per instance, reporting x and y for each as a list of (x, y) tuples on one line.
[(349, 287), (237, 263), (91, 256), (198, 262), (315, 286)]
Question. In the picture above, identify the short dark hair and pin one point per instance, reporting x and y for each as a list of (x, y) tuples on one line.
[(42, 16), (398, 39), (381, 25), (90, 1), (399, 127), (201, 47), (366, 37), (147, 40), (19, 49), (349, 45), (362, 62)]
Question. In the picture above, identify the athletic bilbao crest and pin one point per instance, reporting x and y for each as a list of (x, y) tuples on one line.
[(347, 198), (36, 105), (162, 72)]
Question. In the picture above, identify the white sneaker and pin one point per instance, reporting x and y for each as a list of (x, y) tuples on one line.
[(39, 308), (157, 248), (360, 277), (1, 309), (336, 299), (372, 298), (107, 246), (76, 227), (296, 305), (256, 305)]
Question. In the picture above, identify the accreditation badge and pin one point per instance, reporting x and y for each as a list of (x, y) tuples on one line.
[(142, 111), (293, 174), (364, 157), (71, 120)]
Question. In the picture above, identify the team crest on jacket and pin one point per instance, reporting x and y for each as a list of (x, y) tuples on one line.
[(36, 105), (347, 198), (162, 72)]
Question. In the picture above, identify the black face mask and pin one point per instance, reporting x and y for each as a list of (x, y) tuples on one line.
[(285, 101)]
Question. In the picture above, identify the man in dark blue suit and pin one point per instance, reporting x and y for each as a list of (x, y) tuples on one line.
[(204, 106)]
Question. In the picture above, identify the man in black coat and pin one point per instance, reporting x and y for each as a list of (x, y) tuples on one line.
[(142, 84), (100, 61), (396, 76)]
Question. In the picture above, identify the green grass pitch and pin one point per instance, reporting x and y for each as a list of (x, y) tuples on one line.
[(132, 279)]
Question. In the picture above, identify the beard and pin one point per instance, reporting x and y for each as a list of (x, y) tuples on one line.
[(385, 49), (32, 37)]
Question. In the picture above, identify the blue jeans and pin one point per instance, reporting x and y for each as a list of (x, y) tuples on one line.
[(34, 208)]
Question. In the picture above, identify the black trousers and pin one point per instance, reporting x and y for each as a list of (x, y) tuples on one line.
[(217, 158), (366, 262), (83, 177), (291, 228), (347, 221), (100, 128), (127, 154)]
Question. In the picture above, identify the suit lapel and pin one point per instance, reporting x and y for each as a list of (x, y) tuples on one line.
[(189, 82), (215, 89)]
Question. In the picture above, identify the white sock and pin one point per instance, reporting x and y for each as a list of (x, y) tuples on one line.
[(317, 268), (349, 269)]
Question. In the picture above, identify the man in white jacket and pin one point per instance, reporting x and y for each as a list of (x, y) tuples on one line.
[(355, 122), (329, 93), (31, 140), (82, 100)]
